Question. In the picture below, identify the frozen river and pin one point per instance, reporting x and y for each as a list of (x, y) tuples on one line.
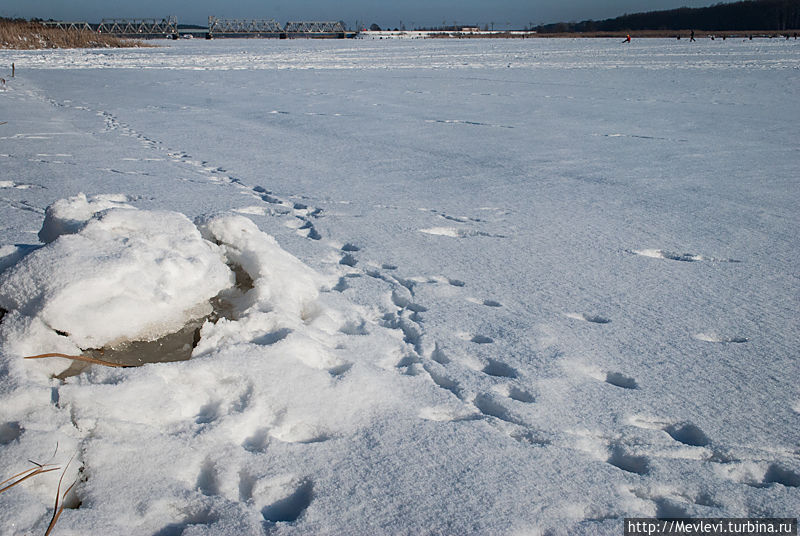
[(515, 287)]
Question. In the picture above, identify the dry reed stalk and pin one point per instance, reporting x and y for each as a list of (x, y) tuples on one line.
[(60, 499), (78, 358), (33, 471)]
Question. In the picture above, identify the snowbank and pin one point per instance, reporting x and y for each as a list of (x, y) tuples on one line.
[(276, 367), (109, 275)]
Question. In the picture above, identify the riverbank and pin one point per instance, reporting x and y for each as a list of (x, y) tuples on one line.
[(25, 35)]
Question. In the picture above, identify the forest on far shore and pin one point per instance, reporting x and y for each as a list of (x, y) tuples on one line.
[(750, 15)]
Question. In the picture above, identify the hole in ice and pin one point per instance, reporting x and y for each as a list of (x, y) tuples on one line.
[(292, 507), (176, 346), (350, 247), (481, 339), (492, 303)]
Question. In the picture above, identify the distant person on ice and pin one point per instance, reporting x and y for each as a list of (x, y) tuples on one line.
[(627, 39), (691, 37)]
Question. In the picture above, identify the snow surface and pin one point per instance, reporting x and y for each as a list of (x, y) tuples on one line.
[(445, 287)]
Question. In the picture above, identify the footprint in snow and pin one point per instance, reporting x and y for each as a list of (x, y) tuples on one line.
[(499, 369), (674, 256), (481, 339), (715, 338), (622, 459), (289, 507), (618, 379), (487, 303), (760, 475), (594, 319)]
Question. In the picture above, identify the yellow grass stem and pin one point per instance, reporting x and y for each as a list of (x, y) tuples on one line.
[(60, 499), (33, 471)]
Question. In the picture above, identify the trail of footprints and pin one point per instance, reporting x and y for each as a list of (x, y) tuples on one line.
[(505, 392)]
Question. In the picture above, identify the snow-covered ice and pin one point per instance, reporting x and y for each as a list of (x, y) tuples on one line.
[(428, 286)]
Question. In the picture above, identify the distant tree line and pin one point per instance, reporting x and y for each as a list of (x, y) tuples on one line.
[(747, 15)]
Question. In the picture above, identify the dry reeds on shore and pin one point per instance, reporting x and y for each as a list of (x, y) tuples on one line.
[(25, 35)]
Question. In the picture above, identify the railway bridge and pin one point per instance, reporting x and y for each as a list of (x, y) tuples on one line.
[(168, 27)]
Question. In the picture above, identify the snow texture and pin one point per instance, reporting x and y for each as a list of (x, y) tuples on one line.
[(400, 287)]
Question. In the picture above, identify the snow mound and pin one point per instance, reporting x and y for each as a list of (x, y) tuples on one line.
[(67, 216), (125, 274)]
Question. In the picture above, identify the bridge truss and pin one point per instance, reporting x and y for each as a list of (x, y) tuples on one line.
[(315, 27), (272, 27), (239, 26), (69, 26), (139, 27)]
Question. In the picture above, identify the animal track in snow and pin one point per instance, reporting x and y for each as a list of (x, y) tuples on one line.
[(403, 302), (594, 319), (499, 369), (12, 184), (208, 478), (688, 434), (618, 379), (619, 457), (443, 381), (759, 474), (515, 393), (449, 414), (713, 337), (673, 256), (10, 431), (300, 432), (465, 122), (273, 337), (457, 233), (348, 260), (491, 407), (487, 303), (290, 507)]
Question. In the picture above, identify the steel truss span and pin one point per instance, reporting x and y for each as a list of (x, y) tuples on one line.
[(139, 27)]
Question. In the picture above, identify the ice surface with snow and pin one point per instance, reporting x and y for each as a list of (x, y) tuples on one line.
[(418, 286)]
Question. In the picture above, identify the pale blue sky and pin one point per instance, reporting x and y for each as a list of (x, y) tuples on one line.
[(504, 13)]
